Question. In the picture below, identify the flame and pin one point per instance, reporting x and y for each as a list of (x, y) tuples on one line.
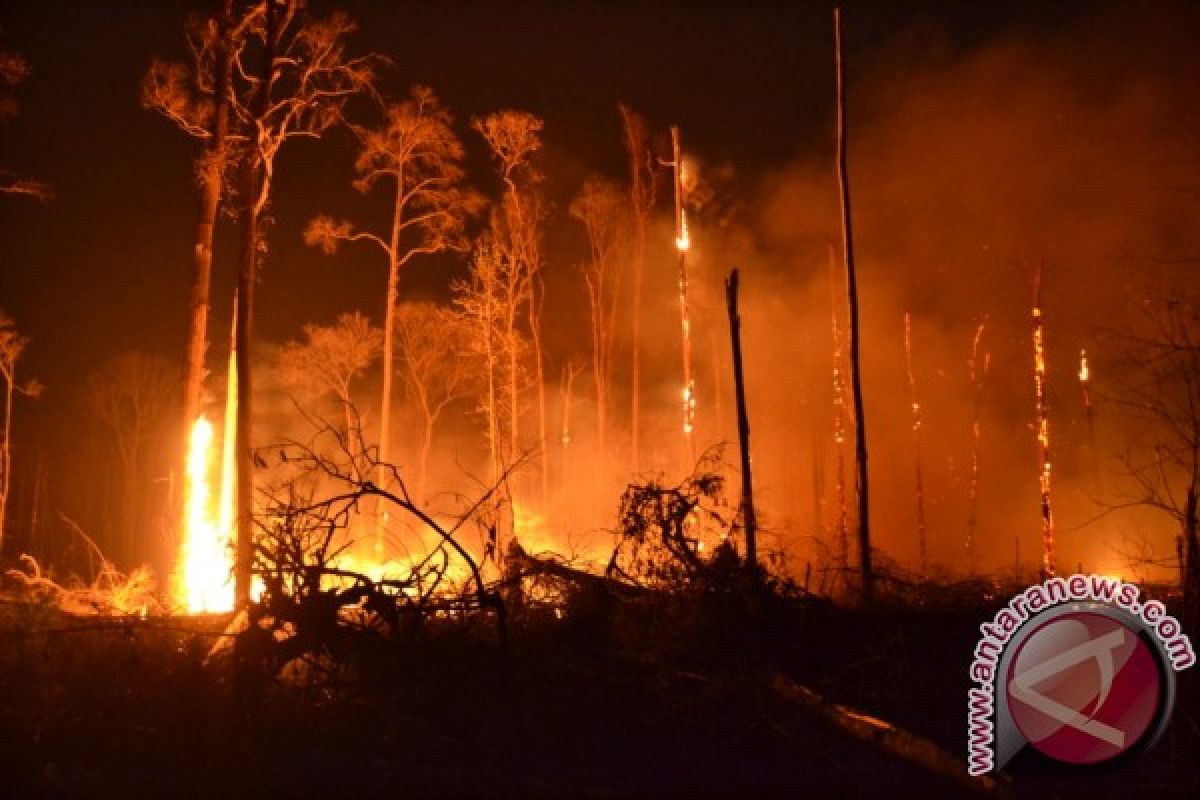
[(206, 572), (1084, 372), (683, 242)]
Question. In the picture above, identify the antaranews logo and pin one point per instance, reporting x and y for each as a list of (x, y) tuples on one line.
[(1079, 668)]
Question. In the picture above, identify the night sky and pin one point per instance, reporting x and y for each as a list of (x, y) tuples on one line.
[(983, 134), (105, 267)]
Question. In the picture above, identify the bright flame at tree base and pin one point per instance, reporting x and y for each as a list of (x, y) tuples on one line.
[(206, 567)]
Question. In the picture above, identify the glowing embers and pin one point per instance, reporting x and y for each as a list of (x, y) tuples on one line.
[(206, 571), (683, 241)]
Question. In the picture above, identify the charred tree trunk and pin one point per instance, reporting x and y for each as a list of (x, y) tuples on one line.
[(253, 191), (860, 425), (212, 170), (749, 520)]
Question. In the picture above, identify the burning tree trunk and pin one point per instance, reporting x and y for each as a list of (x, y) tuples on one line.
[(643, 180), (978, 373), (165, 92), (749, 520), (860, 424), (842, 531), (922, 544), (1043, 429), (682, 243)]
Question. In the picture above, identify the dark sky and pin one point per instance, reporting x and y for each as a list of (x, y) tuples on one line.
[(105, 267)]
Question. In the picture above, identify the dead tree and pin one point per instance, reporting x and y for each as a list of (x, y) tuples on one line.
[(643, 189), (318, 609), (601, 209), (978, 369), (196, 99), (12, 346), (329, 359), (856, 392), (416, 154), (749, 521), (513, 138), (1159, 390), (132, 395), (1042, 422), (432, 349), (292, 78), (919, 483)]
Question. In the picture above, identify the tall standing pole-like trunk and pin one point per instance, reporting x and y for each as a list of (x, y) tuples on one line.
[(749, 521), (978, 373), (841, 548), (389, 339), (915, 407), (490, 355), (253, 191), (1043, 429), (212, 171), (536, 295), (682, 243), (641, 200), (860, 423)]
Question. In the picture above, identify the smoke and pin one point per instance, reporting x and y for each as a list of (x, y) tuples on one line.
[(968, 170)]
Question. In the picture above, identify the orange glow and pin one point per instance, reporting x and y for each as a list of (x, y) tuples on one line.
[(683, 241), (206, 571)]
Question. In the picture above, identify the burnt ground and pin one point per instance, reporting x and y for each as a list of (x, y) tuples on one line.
[(664, 698)]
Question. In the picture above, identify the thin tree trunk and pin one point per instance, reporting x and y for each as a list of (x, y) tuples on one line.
[(244, 442), (389, 334), (253, 191), (842, 534), (1043, 430), (535, 329), (915, 406), (749, 521), (210, 200), (685, 322), (978, 374), (860, 424)]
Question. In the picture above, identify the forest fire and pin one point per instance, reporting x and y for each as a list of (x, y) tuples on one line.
[(424, 418), (205, 573)]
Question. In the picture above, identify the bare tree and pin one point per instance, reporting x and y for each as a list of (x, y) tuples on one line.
[(856, 392), (416, 153), (196, 99), (12, 346), (487, 300), (601, 208), (330, 358), (1160, 391), (433, 346), (132, 396), (301, 84), (513, 137), (643, 188), (13, 71)]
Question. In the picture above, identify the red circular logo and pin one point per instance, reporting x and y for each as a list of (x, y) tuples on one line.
[(1084, 688)]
